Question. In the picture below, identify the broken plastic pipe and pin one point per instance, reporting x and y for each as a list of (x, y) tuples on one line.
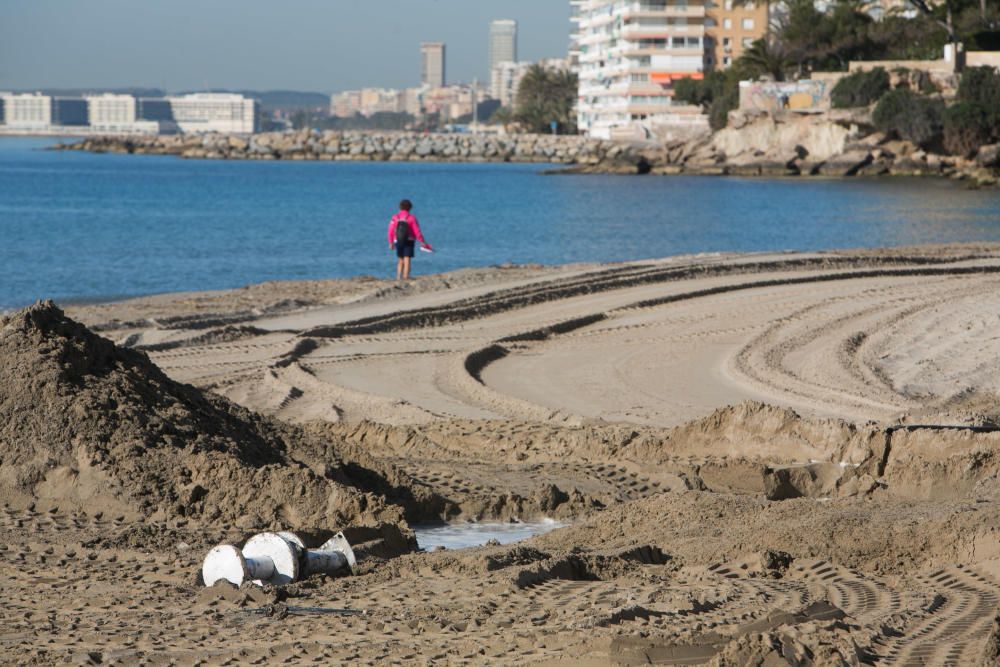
[(266, 558), (333, 557), (277, 558)]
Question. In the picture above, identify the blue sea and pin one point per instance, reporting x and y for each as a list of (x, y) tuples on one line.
[(82, 227)]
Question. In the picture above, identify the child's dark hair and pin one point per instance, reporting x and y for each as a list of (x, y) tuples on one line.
[(405, 205)]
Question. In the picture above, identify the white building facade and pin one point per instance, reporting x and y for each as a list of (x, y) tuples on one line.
[(27, 111), (215, 112), (505, 80), (627, 54), (118, 114)]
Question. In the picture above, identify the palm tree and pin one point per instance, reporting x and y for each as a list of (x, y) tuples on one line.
[(545, 96), (767, 56)]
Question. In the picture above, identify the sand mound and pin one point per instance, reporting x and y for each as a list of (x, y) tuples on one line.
[(86, 423)]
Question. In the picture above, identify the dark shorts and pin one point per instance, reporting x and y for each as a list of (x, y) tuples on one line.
[(406, 249)]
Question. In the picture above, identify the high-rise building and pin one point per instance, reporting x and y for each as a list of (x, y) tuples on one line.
[(629, 55), (503, 42), (730, 29), (433, 64)]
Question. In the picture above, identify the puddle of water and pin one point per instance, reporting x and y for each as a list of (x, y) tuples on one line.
[(465, 535)]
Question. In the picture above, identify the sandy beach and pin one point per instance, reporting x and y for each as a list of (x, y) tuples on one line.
[(762, 459)]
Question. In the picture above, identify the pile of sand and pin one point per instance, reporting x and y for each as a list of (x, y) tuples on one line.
[(84, 423)]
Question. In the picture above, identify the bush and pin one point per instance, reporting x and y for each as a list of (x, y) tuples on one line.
[(860, 89), (718, 110), (692, 91), (981, 86), (966, 128), (909, 116)]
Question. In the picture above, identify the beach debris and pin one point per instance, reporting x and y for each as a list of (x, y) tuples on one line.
[(278, 559), (333, 557), (265, 558)]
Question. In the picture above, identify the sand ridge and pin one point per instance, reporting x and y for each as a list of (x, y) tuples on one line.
[(765, 459)]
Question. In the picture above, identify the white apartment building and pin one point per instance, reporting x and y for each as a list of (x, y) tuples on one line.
[(215, 112), (118, 114), (27, 111), (506, 77), (628, 54)]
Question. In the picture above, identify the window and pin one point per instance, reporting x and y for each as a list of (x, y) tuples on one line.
[(728, 5), (750, 5), (747, 42), (747, 24), (727, 61), (727, 42), (727, 24), (640, 78), (709, 23), (678, 43), (694, 42)]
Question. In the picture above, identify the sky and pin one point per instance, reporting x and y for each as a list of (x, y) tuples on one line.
[(310, 45)]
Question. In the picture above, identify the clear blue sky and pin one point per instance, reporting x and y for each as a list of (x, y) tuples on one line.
[(313, 45)]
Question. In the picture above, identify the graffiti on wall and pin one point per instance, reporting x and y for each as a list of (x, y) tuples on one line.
[(803, 96)]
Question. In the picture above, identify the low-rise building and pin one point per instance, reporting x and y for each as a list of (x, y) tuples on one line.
[(27, 111), (345, 104), (120, 114), (215, 112), (450, 102)]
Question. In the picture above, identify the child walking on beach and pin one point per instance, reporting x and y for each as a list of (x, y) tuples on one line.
[(404, 232)]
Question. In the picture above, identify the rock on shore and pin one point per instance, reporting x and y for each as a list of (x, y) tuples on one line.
[(837, 143)]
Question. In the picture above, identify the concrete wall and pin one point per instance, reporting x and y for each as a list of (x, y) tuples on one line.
[(983, 59), (806, 96)]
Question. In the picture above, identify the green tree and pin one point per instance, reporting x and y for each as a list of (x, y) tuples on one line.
[(546, 95)]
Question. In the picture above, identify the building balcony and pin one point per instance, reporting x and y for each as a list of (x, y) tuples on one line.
[(664, 32), (668, 11)]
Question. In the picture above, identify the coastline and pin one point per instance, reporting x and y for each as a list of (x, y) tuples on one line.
[(778, 146)]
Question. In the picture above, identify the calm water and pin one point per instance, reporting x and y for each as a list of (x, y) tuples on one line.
[(80, 226), (465, 535)]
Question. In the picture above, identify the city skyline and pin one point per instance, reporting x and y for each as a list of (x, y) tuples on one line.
[(57, 44)]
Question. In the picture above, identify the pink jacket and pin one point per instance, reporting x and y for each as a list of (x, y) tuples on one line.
[(414, 227)]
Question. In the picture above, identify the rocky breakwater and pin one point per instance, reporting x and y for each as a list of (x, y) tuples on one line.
[(368, 146)]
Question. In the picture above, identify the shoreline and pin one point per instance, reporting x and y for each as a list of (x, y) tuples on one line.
[(736, 151)]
